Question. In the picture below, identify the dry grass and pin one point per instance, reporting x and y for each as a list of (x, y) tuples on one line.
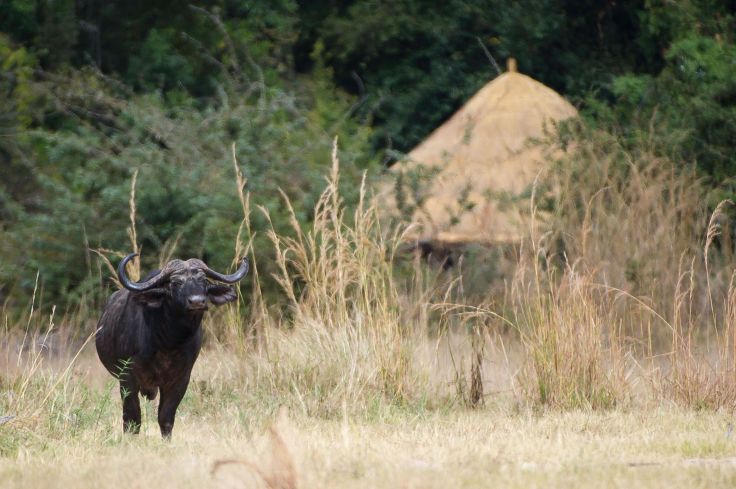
[(595, 371), (227, 438)]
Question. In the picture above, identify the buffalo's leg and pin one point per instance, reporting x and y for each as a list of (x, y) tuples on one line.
[(171, 396), (131, 408)]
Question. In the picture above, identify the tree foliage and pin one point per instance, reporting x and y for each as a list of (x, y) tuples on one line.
[(91, 91)]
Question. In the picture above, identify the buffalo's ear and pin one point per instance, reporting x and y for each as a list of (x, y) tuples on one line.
[(221, 294), (151, 298)]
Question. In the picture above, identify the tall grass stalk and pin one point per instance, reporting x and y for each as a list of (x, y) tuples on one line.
[(348, 336), (703, 358)]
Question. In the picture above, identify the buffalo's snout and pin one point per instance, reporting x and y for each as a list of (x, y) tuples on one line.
[(196, 302)]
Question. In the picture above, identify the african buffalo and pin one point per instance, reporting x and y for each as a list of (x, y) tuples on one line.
[(150, 333)]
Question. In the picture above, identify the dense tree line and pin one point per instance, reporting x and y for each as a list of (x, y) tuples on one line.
[(414, 61), (91, 90)]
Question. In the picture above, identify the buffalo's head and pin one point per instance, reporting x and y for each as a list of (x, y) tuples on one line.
[(184, 285)]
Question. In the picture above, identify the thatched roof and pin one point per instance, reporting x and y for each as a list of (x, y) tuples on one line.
[(484, 161)]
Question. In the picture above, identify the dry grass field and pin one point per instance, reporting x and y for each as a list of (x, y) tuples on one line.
[(614, 368), (227, 436)]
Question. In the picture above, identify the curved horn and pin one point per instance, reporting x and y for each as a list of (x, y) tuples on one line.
[(135, 286), (232, 278)]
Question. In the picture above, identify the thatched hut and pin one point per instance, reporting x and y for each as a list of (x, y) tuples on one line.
[(483, 163)]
